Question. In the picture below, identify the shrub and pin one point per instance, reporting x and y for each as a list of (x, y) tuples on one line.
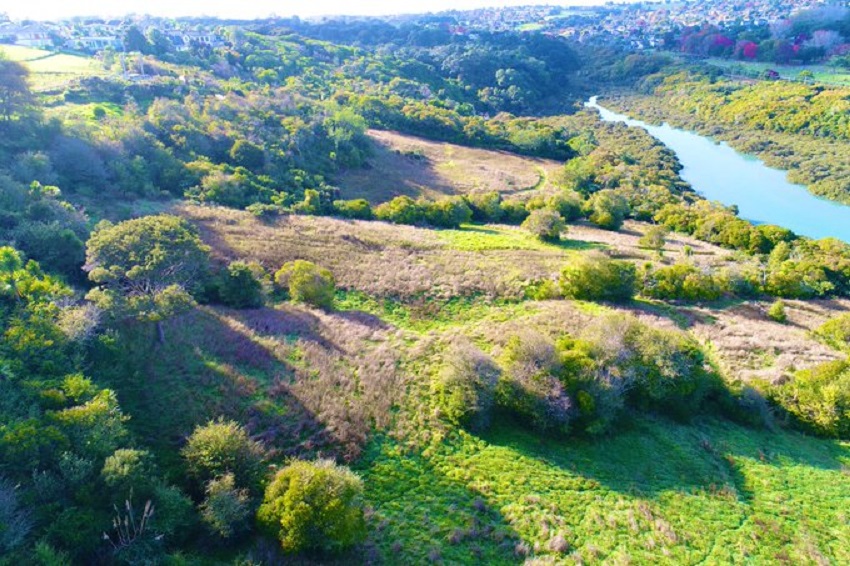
[(659, 369), (221, 447), (654, 239), (607, 209), (401, 210), (566, 203), (464, 391), (240, 285), (818, 399), (55, 247), (226, 508), (596, 277), (358, 209), (129, 470), (835, 332), (306, 282), (529, 387), (485, 207), (247, 154), (598, 392), (513, 211), (448, 212), (776, 312), (314, 506), (545, 224), (683, 281)]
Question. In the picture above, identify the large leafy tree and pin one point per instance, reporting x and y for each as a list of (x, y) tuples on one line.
[(145, 268), (15, 94)]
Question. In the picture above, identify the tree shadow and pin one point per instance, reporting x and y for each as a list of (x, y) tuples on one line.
[(649, 455), (419, 514), (215, 366)]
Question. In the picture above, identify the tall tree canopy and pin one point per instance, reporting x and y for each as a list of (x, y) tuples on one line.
[(145, 267)]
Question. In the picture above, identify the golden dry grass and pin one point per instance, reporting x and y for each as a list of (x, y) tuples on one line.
[(375, 257), (407, 165)]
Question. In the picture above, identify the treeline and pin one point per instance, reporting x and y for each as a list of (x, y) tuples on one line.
[(806, 37)]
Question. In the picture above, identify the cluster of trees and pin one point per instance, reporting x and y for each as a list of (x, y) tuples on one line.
[(64, 445), (583, 383), (807, 36)]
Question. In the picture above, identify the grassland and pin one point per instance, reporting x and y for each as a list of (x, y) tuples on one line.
[(50, 70), (821, 73), (656, 493), (355, 383), (407, 165)]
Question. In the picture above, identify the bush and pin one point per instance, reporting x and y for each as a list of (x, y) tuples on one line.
[(681, 281), (485, 207), (224, 447), (513, 211), (654, 239), (248, 155), (835, 332), (529, 387), (596, 277), (776, 312), (240, 285), (128, 470), (226, 508), (314, 506), (598, 392), (545, 224), (566, 203), (659, 369), (464, 391), (306, 282), (607, 209), (448, 212), (358, 209), (401, 210), (818, 399)]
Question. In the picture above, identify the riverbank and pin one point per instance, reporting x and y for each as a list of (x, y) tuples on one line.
[(762, 194)]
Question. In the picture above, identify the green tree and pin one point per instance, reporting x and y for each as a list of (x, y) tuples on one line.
[(607, 209), (224, 447), (596, 277), (248, 155), (226, 508), (654, 239), (15, 94), (241, 285), (314, 506), (776, 312), (306, 282), (145, 267), (545, 224)]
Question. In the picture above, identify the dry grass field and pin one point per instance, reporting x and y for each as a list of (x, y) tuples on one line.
[(407, 165), (415, 266)]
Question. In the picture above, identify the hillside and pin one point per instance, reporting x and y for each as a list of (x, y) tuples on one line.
[(412, 166), (398, 298)]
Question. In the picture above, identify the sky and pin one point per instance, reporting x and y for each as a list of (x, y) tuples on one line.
[(246, 9)]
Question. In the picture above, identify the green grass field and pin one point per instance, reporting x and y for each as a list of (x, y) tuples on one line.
[(822, 73), (50, 70), (657, 492)]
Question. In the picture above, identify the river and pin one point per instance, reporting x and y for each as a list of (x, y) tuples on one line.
[(762, 194)]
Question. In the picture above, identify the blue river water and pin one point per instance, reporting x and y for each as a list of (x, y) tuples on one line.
[(762, 194)]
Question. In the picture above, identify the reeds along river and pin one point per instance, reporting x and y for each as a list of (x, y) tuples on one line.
[(762, 194)]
